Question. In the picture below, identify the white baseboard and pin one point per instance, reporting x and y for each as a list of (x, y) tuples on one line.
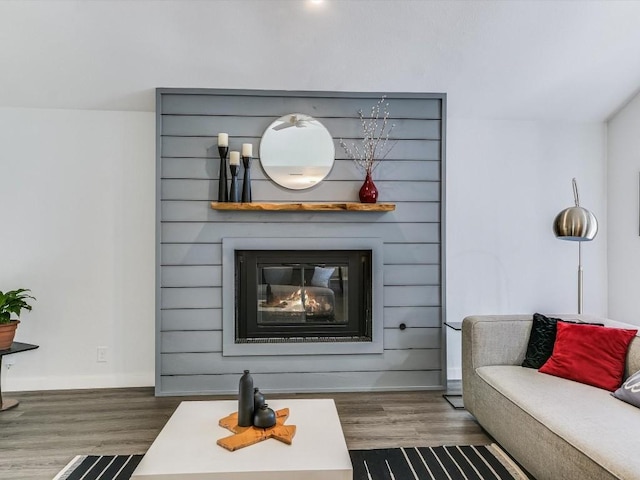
[(77, 382)]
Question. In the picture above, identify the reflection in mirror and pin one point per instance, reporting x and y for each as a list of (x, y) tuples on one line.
[(297, 151)]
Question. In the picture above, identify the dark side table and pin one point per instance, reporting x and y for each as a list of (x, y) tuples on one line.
[(16, 347), (454, 399)]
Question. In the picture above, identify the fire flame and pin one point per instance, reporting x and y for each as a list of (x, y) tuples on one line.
[(311, 304)]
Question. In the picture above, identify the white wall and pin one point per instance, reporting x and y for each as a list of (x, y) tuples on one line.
[(624, 242), (78, 210), (506, 181)]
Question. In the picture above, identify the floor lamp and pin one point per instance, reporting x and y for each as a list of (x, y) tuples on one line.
[(576, 224)]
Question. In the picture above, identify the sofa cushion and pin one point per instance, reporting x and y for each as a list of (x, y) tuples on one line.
[(589, 354), (541, 340), (321, 276), (277, 275), (630, 390), (587, 418)]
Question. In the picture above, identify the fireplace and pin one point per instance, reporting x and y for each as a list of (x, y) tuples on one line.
[(302, 296)]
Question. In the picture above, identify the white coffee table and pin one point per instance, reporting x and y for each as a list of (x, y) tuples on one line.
[(186, 447)]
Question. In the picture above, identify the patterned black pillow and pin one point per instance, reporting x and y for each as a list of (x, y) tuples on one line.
[(542, 339)]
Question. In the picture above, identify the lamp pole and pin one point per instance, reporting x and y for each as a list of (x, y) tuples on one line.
[(579, 277)]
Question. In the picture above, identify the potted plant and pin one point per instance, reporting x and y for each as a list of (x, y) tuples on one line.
[(11, 302)]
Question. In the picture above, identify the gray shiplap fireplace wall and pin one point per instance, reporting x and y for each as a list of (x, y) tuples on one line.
[(189, 358)]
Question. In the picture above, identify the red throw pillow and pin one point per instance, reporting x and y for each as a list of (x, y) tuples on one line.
[(589, 354)]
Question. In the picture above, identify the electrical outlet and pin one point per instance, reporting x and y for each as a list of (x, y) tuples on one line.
[(101, 355)]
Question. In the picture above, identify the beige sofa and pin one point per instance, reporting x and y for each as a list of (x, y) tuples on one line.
[(555, 428)]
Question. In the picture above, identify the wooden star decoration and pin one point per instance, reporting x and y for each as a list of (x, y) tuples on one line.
[(245, 436)]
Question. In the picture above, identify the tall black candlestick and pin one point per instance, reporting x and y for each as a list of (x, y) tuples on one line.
[(223, 190), (246, 181), (234, 193)]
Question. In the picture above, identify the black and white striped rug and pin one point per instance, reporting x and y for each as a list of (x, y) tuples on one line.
[(485, 462), (100, 467)]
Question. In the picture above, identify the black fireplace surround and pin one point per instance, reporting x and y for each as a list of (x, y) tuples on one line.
[(285, 296)]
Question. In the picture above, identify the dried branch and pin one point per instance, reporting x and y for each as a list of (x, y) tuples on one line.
[(376, 132)]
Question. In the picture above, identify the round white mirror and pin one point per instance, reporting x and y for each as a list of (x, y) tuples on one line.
[(297, 151)]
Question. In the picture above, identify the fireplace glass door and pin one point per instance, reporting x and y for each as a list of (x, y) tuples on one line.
[(297, 296)]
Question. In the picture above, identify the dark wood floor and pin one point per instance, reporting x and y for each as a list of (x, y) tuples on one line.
[(47, 429)]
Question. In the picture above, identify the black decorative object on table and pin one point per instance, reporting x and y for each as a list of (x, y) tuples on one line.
[(245, 400), (264, 417), (223, 189), (246, 181), (234, 193), (258, 399), (270, 298)]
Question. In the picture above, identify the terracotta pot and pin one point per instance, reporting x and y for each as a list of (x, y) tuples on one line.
[(7, 332), (368, 192)]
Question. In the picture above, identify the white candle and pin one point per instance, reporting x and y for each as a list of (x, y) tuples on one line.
[(234, 158), (247, 150), (223, 139)]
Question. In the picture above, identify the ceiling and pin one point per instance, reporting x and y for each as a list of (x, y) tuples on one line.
[(559, 60)]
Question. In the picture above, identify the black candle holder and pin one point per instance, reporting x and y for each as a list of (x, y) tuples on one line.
[(246, 181), (234, 193), (223, 189)]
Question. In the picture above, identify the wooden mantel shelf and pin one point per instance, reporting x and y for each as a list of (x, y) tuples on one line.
[(305, 207)]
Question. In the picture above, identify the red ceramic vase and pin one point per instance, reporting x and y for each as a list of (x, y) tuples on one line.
[(368, 191)]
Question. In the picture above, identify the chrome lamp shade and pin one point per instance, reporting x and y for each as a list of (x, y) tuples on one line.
[(576, 224)]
